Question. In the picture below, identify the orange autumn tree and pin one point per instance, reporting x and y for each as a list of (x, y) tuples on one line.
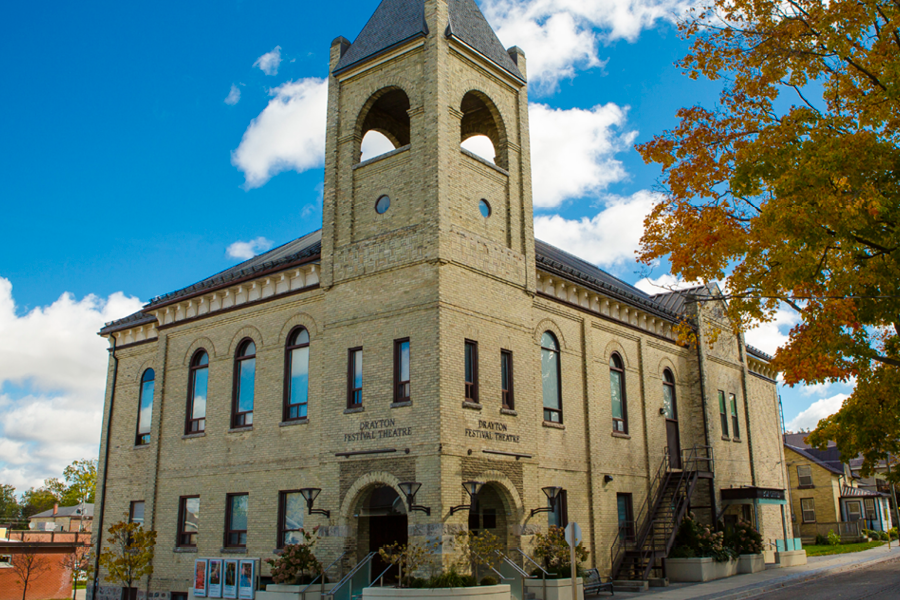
[(790, 183)]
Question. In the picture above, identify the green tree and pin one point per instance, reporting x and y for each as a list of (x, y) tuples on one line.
[(128, 553), (9, 505), (81, 482), (38, 500), (791, 182)]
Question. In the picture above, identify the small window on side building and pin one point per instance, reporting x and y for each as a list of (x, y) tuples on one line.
[(401, 370), (804, 475), (735, 427), (354, 377), (236, 520), (471, 371), (723, 413), (188, 521), (291, 509), (136, 512), (808, 507), (506, 380)]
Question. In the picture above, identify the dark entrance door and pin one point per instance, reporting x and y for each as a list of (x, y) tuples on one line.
[(387, 525), (671, 411)]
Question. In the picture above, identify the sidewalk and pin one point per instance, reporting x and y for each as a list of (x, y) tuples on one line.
[(746, 586)]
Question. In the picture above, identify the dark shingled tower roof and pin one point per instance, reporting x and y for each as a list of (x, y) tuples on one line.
[(397, 21)]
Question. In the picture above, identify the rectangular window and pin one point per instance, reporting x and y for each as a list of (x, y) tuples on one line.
[(559, 516), (401, 370), (136, 513), (506, 379), (804, 475), (236, 520), (870, 509), (854, 511), (735, 428), (354, 378), (471, 371), (808, 508), (291, 508), (626, 517), (188, 520), (723, 413)]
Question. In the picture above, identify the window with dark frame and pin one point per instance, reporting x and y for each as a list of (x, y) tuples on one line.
[(669, 404), (871, 515), (401, 370), (291, 509), (145, 408), (804, 475), (136, 512), (559, 516), (236, 520), (244, 388), (625, 510), (551, 384), (471, 371), (735, 428), (617, 393), (506, 380), (296, 375), (354, 377), (198, 384), (188, 521), (808, 508), (723, 413)]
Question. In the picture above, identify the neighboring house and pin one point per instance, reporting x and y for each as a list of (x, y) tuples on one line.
[(52, 551), (63, 518)]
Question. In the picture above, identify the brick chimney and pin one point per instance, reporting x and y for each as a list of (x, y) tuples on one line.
[(55, 509)]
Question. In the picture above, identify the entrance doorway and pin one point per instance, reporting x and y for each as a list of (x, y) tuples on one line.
[(670, 407), (386, 516)]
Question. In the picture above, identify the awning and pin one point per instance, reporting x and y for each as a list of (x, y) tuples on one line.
[(753, 495)]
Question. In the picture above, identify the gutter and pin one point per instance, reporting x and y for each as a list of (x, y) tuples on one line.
[(112, 400)]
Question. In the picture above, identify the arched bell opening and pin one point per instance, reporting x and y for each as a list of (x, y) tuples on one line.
[(481, 118), (386, 117), (381, 521)]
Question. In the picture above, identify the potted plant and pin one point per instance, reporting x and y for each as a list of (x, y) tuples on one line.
[(552, 550), (747, 544), (700, 554), (296, 565)]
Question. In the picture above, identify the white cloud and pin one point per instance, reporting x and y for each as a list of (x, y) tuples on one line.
[(664, 283), (562, 36), (809, 418), (289, 134), (572, 151), (247, 250), (769, 337), (234, 96), (609, 238), (269, 62), (54, 366)]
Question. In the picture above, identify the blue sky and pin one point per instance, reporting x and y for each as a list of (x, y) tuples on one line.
[(126, 174)]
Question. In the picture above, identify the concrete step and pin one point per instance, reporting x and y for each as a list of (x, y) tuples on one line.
[(631, 585)]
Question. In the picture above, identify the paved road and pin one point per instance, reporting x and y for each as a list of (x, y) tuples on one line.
[(879, 582)]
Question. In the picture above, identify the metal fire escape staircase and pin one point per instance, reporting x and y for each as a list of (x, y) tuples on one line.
[(641, 544)]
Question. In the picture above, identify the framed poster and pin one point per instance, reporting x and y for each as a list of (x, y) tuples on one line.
[(229, 590), (246, 579), (200, 566), (215, 578)]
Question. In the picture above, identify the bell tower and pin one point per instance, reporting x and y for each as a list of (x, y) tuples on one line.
[(428, 75)]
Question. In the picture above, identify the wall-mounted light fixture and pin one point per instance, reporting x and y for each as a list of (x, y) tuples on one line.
[(310, 494), (409, 489), (607, 478), (472, 488), (552, 493)]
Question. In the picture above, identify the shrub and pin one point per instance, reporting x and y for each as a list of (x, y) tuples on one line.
[(488, 580), (297, 563), (552, 550), (833, 538), (821, 540), (695, 540), (450, 579), (745, 539), (408, 558)]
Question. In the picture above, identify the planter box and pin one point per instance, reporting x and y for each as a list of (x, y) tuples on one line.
[(557, 589), (699, 569), (482, 592), (280, 591), (791, 558), (751, 563)]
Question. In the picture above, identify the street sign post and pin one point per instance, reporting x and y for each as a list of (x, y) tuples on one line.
[(573, 538)]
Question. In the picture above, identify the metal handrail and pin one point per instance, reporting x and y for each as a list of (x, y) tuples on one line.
[(349, 576), (515, 567), (380, 578), (544, 572), (324, 572), (488, 565)]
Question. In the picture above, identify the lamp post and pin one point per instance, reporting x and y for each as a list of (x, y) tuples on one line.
[(409, 489), (310, 495), (552, 493), (472, 488)]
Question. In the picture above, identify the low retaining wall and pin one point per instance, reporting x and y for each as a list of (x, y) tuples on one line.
[(699, 569), (482, 592), (557, 589)]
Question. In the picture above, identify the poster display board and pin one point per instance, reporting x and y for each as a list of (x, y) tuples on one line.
[(229, 590), (214, 588), (200, 577), (246, 579)]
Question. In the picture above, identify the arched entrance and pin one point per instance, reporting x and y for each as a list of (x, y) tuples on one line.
[(382, 521)]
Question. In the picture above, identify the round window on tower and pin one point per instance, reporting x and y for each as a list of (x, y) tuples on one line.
[(485, 208), (382, 205)]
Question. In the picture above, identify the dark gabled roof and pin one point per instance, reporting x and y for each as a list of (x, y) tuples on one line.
[(824, 458), (852, 492), (397, 21), (676, 299), (86, 511)]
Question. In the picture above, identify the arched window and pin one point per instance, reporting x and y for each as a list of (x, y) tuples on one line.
[(617, 393), (197, 388), (296, 375), (244, 384), (669, 395), (481, 120), (550, 378), (386, 114), (145, 408)]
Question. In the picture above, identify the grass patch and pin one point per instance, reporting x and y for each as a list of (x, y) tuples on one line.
[(840, 548)]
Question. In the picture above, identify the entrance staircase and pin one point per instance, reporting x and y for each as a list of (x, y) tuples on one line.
[(641, 544)]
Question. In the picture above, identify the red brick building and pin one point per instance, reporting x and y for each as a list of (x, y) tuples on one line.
[(52, 579)]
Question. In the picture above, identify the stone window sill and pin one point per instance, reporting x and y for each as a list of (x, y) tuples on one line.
[(185, 549), (472, 405), (509, 411), (726, 438), (620, 434), (294, 422), (190, 436), (552, 425), (141, 446), (233, 551), (738, 440), (805, 487), (401, 404), (354, 410), (240, 429)]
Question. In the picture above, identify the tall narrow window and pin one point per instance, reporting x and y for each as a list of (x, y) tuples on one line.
[(244, 385), (236, 520), (626, 517), (506, 379), (471, 371), (871, 515), (354, 378), (401, 370), (669, 395), (735, 428), (136, 513), (291, 507), (188, 520), (808, 508), (296, 375), (723, 413), (559, 516), (198, 384), (550, 378), (145, 409), (617, 393)]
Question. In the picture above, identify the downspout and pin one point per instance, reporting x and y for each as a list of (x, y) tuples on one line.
[(701, 363), (112, 399)]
